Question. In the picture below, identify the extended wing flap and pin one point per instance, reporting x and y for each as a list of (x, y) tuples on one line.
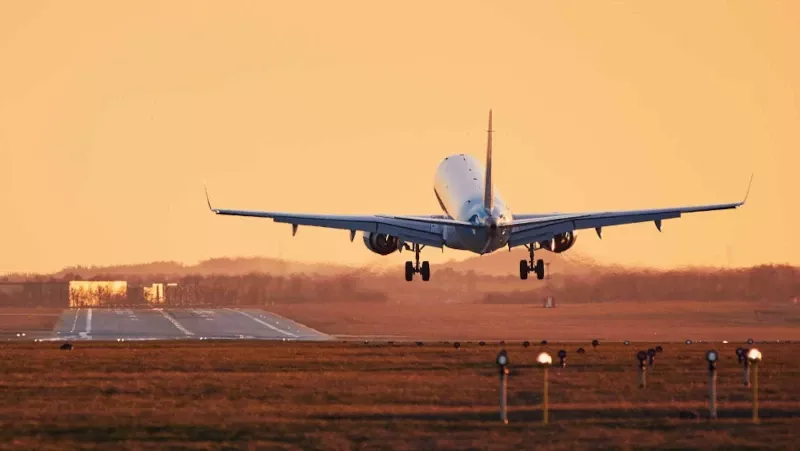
[(542, 231), (433, 220)]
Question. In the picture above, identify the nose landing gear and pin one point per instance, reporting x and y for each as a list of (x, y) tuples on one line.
[(526, 267), (415, 268)]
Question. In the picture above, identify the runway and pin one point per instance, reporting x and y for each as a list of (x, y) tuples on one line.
[(188, 323)]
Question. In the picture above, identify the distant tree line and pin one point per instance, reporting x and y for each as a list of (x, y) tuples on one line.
[(770, 283), (761, 283)]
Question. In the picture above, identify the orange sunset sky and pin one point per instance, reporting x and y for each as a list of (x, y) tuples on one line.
[(112, 115)]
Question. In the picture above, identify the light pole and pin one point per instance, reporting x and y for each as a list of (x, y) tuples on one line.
[(740, 355), (754, 357), (562, 355), (651, 356), (502, 363), (642, 356), (712, 357), (745, 361), (544, 360)]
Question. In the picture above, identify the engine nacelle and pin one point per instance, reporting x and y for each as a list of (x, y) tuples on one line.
[(381, 244), (560, 242)]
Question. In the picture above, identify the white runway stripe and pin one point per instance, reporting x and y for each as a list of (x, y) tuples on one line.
[(298, 325), (89, 322), (174, 322), (75, 322), (263, 323)]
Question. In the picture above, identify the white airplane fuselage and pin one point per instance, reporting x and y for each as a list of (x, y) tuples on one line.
[(460, 187)]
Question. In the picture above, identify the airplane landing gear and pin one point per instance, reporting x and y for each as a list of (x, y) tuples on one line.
[(526, 267), (414, 267)]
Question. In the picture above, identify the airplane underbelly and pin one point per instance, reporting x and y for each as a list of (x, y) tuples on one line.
[(476, 241)]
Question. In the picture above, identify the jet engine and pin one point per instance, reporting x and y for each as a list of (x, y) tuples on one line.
[(560, 242), (381, 244)]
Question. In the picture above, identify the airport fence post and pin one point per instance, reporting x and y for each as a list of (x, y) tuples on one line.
[(754, 357), (642, 356), (712, 357), (502, 362), (545, 361)]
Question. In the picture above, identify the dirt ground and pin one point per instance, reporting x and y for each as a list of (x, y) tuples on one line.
[(241, 395), (669, 321)]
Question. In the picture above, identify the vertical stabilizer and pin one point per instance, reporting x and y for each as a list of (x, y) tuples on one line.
[(488, 195)]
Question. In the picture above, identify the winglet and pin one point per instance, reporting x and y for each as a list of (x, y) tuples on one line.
[(488, 196), (207, 199), (747, 193)]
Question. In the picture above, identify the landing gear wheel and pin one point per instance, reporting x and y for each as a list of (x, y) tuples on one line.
[(529, 266), (409, 271), (425, 271), (415, 268), (539, 269)]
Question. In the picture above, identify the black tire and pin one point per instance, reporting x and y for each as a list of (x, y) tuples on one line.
[(409, 271), (539, 269), (425, 270), (523, 269)]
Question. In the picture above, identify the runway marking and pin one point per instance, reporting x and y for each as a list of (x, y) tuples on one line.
[(174, 322), (75, 323), (89, 322), (301, 325), (262, 322)]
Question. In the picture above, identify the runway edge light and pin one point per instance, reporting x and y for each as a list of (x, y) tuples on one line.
[(754, 357), (545, 360), (502, 365), (712, 357)]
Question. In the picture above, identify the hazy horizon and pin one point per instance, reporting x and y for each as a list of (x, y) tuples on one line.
[(485, 264), (114, 114)]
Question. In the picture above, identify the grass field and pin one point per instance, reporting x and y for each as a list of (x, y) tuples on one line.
[(13, 320), (194, 395), (667, 321)]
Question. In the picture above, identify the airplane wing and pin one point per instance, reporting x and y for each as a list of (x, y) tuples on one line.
[(426, 230), (532, 228)]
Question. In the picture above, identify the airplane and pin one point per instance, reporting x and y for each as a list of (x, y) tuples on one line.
[(475, 219)]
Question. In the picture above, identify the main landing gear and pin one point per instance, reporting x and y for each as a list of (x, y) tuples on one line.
[(415, 267), (525, 267)]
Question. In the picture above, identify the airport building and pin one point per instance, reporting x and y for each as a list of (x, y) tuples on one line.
[(154, 294), (96, 293), (91, 293)]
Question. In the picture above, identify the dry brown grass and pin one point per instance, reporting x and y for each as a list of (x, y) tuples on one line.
[(336, 396), (670, 321), (14, 320)]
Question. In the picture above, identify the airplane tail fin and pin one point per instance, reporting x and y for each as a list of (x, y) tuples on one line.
[(488, 195)]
